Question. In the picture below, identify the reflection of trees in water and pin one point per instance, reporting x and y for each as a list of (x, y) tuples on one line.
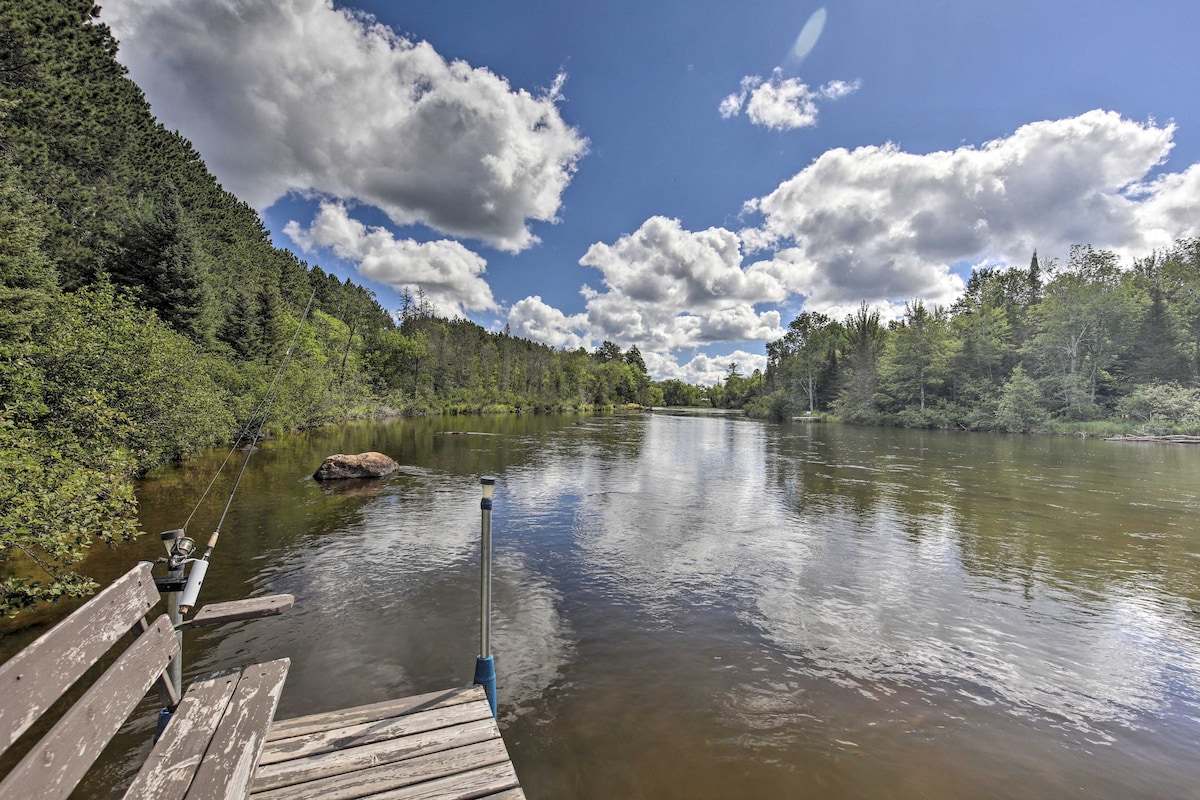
[(1088, 514), (994, 568)]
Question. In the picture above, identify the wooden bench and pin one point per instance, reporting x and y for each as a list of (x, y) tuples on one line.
[(212, 744)]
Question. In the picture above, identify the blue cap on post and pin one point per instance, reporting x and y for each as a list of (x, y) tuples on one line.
[(485, 676)]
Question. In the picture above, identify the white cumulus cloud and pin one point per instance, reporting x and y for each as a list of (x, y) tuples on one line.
[(1170, 209), (667, 288), (532, 318), (880, 224), (704, 369), (663, 263), (449, 274), (782, 104), (297, 95)]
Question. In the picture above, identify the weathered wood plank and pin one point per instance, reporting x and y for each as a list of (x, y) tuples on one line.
[(507, 794), (366, 782), (388, 709), (34, 678), (239, 610), (228, 765), (464, 786), (168, 692), (172, 764), (325, 765), (60, 759), (369, 732)]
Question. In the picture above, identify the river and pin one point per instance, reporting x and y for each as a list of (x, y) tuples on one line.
[(702, 605)]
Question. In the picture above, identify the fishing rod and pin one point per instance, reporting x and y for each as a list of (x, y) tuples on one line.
[(183, 546)]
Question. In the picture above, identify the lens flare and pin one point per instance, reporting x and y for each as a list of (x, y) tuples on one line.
[(808, 37)]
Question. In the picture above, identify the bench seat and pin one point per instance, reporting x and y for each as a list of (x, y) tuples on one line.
[(212, 744)]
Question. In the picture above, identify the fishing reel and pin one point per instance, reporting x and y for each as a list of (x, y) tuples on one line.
[(179, 546), (180, 551)]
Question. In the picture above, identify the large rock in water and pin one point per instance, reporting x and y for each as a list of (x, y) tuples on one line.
[(363, 465)]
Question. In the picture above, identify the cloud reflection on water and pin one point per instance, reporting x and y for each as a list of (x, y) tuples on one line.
[(867, 589)]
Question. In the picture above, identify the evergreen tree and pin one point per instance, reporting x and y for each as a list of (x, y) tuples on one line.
[(27, 277), (1034, 281), (609, 351), (159, 264), (919, 354), (1155, 356), (864, 337)]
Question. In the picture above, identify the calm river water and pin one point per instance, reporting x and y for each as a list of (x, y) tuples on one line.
[(697, 605)]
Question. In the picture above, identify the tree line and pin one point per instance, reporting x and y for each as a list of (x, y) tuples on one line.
[(1083, 345)]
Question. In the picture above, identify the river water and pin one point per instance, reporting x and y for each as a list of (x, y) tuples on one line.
[(702, 605)]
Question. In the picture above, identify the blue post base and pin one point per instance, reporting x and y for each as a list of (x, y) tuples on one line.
[(485, 676), (164, 716)]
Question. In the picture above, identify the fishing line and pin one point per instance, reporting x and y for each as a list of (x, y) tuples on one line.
[(200, 565), (260, 415)]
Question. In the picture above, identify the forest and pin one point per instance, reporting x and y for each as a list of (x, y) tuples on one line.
[(1089, 346)]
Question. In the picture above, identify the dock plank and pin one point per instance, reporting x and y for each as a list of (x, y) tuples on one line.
[(436, 746), (324, 765), (372, 780), (464, 786), (331, 720), (369, 732)]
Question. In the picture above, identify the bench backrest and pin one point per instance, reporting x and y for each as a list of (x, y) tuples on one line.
[(35, 678)]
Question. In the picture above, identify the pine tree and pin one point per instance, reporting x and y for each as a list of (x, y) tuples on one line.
[(1035, 281), (158, 264)]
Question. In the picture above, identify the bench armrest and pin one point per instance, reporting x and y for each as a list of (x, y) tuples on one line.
[(239, 610)]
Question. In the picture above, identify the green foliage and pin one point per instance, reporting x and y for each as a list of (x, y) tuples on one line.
[(1021, 349), (802, 362), (863, 340), (737, 390), (97, 390), (96, 383), (1085, 324), (919, 354), (609, 351), (774, 406), (56, 496), (1163, 408), (677, 393), (158, 262), (112, 370), (27, 277), (1019, 407)]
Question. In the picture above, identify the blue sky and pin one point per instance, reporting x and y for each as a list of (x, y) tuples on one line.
[(673, 175)]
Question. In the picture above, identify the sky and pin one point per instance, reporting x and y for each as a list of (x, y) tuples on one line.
[(687, 177)]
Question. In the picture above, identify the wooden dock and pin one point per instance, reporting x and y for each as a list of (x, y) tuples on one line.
[(442, 745)]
